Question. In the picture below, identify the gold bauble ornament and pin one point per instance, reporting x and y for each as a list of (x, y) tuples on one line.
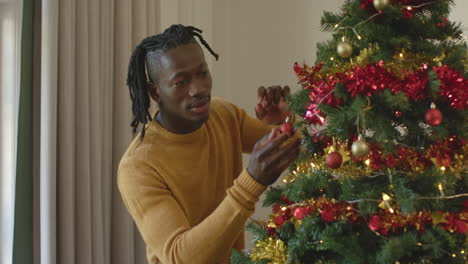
[(381, 4), (360, 148), (344, 49)]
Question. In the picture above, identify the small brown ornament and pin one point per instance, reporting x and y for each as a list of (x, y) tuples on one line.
[(334, 160)]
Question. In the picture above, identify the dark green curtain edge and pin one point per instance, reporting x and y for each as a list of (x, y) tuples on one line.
[(23, 230)]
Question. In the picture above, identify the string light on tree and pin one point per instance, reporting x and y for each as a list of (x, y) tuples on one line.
[(353, 28), (379, 5)]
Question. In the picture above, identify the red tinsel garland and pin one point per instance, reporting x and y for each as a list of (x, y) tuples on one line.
[(368, 80), (320, 90), (373, 78), (454, 88), (382, 222), (414, 85), (440, 153)]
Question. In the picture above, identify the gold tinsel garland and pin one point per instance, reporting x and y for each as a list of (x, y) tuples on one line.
[(317, 163), (351, 169), (272, 249), (403, 62)]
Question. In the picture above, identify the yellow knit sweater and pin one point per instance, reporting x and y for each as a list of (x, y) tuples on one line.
[(188, 193)]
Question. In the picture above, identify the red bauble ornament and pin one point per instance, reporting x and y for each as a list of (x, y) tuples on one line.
[(334, 160), (286, 127), (374, 223), (279, 220), (433, 116), (276, 208), (285, 199), (287, 213), (390, 161), (271, 231), (461, 226), (465, 204), (328, 215), (300, 213)]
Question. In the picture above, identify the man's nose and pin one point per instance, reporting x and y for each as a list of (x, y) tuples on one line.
[(198, 89)]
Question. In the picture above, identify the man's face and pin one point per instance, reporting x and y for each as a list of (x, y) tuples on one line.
[(183, 91)]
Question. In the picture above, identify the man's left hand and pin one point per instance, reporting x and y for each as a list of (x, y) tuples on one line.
[(271, 105)]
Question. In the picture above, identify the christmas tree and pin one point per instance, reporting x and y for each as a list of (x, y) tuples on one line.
[(382, 177)]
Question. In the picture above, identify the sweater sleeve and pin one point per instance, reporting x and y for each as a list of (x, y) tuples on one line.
[(164, 226)]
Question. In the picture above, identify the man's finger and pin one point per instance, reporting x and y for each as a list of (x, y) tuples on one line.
[(269, 146), (280, 162), (286, 150), (268, 137), (288, 153), (286, 91), (260, 111), (274, 133), (260, 92), (270, 96), (277, 94), (284, 163)]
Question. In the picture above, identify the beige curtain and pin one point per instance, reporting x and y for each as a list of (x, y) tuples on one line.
[(10, 64), (83, 106)]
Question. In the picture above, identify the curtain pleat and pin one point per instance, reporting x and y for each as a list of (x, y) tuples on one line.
[(48, 131), (107, 66), (66, 130), (95, 40), (82, 146), (122, 244), (37, 72), (23, 223)]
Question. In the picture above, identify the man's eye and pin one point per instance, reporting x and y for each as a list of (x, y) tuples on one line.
[(181, 83), (203, 73)]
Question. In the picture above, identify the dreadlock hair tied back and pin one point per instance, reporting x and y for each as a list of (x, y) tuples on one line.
[(137, 78)]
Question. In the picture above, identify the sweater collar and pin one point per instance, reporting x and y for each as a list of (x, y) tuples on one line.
[(189, 137)]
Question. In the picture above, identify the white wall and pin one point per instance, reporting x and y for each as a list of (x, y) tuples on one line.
[(459, 13), (258, 42)]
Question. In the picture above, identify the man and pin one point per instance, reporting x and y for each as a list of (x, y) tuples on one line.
[(182, 178)]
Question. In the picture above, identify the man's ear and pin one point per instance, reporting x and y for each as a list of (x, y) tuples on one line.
[(153, 90)]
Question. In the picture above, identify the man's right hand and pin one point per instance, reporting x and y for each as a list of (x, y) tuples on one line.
[(270, 157)]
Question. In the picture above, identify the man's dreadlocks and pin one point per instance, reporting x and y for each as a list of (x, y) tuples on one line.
[(137, 78)]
